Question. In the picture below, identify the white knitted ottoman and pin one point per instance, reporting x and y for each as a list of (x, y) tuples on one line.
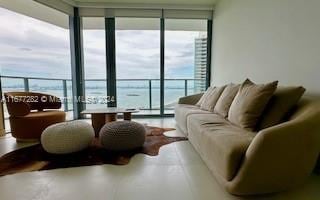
[(67, 137), (122, 135)]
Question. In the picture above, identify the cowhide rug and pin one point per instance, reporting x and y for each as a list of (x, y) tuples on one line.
[(35, 158)]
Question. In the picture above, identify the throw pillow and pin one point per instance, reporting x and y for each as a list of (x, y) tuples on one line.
[(224, 102), (204, 96), (210, 101), (249, 103), (283, 100)]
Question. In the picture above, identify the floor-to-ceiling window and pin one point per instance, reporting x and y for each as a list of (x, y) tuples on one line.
[(138, 64), (35, 54), (137, 57), (185, 59), (137, 61), (94, 48)]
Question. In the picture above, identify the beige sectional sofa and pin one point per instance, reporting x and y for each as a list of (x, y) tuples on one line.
[(254, 162)]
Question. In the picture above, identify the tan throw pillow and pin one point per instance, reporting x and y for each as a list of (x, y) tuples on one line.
[(205, 94), (249, 103), (223, 104), (210, 101), (283, 100)]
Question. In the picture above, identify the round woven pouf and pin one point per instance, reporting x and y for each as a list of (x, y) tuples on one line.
[(67, 137), (122, 135)]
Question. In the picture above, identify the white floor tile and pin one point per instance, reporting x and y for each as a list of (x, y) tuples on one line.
[(187, 154), (177, 173), (155, 182)]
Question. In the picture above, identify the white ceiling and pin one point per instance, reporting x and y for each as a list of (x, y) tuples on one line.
[(143, 3), (153, 1), (36, 10), (33, 9)]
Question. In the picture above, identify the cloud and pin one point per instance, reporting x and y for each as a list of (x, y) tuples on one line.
[(25, 49), (42, 49), (29, 47)]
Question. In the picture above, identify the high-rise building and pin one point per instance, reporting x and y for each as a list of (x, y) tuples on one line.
[(200, 64)]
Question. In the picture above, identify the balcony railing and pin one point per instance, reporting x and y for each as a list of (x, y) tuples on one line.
[(138, 93)]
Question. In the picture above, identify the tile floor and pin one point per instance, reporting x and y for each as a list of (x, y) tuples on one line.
[(176, 173)]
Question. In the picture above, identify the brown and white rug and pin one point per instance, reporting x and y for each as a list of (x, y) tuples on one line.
[(34, 158)]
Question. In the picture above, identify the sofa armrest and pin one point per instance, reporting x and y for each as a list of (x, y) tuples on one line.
[(280, 157), (191, 99)]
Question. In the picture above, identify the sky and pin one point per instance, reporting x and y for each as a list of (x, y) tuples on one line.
[(32, 48)]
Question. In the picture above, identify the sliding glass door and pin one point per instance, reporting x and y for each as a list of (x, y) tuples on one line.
[(138, 64), (185, 59)]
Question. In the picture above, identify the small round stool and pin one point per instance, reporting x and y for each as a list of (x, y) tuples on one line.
[(122, 135), (67, 137)]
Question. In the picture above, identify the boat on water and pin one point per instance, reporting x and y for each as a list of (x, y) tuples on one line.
[(133, 95), (96, 93)]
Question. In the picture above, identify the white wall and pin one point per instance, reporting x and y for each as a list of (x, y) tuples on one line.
[(267, 40)]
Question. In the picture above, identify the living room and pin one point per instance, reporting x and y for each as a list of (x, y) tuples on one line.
[(137, 99)]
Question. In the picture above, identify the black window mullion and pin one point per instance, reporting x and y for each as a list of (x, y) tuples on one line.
[(209, 48), (162, 65), (77, 68), (111, 60)]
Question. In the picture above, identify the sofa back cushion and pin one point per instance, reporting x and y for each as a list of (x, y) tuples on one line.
[(204, 96), (281, 103), (224, 102), (211, 99), (249, 103)]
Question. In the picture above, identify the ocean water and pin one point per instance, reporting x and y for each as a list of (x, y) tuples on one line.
[(130, 94)]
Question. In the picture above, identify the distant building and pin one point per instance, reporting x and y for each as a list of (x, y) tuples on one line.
[(200, 64)]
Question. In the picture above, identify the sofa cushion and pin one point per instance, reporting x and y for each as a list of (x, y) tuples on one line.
[(224, 147), (249, 103), (223, 104), (283, 100), (211, 99), (204, 96), (194, 127), (221, 144), (182, 111)]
